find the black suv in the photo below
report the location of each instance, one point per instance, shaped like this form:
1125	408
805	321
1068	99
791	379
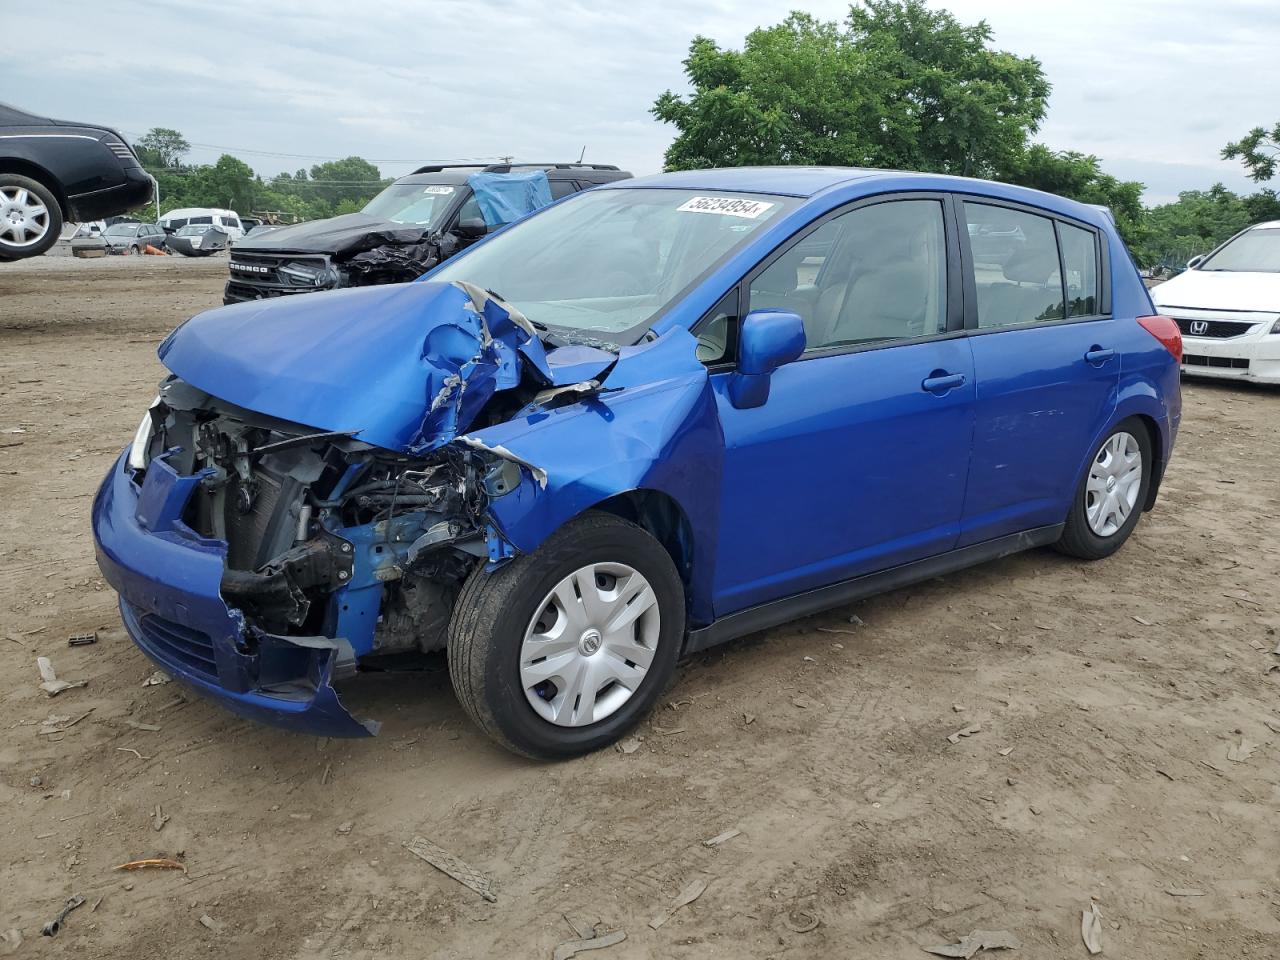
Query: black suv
403	232
52	171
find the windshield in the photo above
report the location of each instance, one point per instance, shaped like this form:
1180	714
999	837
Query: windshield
1254	251
612	261
420	203
122	230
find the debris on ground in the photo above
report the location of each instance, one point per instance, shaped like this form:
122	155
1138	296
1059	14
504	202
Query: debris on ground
206	921
800	921
156	679
629	745
975	941
49	681
1091	928
805	703
1144	621
53	926
82	639
1241	751
139	725
140	756
968	731
692	891
720	838
850	633
58	723
451	866
12	940
748	719
1185	892
159	819
572	948
152	863
1005	751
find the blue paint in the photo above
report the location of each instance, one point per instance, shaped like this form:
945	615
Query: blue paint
789	473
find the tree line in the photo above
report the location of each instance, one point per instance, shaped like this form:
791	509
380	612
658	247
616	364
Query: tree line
896	85
324	190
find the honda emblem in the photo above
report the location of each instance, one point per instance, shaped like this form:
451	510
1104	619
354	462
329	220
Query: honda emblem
1199	328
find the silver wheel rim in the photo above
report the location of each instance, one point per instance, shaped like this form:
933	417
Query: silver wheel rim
24	219
590	644
1115	476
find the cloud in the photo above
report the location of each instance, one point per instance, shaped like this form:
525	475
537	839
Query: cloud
1154	89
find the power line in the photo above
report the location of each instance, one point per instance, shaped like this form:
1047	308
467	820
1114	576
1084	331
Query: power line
133	134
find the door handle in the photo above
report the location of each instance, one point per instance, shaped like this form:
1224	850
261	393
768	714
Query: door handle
1098	356
939	382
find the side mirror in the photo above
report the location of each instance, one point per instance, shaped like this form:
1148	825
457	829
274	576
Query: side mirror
767	340
472	228
1195	261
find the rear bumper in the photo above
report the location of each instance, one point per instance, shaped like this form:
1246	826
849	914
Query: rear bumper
138	188
168	579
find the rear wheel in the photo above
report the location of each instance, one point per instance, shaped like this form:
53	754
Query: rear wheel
1110	498
561	651
134	251
30	218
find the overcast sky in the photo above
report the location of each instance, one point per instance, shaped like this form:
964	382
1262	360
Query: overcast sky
1153	87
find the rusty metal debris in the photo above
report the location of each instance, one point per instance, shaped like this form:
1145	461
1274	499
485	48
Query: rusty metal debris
157	863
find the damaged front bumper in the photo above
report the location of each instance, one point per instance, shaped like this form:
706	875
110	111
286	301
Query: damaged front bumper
169	578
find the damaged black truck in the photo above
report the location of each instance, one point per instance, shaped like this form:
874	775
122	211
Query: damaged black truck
411	226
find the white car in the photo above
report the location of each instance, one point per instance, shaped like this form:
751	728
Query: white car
1227	305
228	221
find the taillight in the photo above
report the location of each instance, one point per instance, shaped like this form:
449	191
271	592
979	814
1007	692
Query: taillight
1164	329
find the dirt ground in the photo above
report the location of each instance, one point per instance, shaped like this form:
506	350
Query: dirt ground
1107	694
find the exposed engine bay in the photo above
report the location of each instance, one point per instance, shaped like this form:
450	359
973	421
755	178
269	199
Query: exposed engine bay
297	510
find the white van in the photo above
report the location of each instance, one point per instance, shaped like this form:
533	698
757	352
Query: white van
228	221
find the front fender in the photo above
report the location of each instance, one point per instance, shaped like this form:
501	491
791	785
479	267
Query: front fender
662	435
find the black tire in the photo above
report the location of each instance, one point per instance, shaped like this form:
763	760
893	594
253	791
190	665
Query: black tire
134	251
53	222
494	610
1078	538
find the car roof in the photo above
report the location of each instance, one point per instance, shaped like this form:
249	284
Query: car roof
1269	225
459	175
810	182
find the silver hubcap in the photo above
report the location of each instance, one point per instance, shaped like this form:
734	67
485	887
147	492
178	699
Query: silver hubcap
590	644
24	220
1115	477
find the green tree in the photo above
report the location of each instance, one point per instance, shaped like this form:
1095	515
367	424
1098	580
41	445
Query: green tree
161	147
1080	177
353	178
896	85
1195	223
1259	150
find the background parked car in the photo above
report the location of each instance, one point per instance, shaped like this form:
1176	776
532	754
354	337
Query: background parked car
133	237
228	221
1227	305
415	223
198	240
53	171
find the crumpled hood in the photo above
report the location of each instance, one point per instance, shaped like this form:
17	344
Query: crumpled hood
349	233
1220	290
404	366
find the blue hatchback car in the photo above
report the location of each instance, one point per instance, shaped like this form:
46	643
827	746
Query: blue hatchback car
645	420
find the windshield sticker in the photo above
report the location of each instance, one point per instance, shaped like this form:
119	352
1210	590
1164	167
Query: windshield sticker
726	206
439	189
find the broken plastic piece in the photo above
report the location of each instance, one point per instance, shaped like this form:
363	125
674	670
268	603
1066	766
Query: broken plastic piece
451	866
574	947
1091	928
692	891
53	926
975	941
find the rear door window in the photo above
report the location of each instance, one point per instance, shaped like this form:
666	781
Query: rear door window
1017	273
1080	257
562	188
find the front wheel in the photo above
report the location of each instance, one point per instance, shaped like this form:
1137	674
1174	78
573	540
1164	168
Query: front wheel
561	651
1110	498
